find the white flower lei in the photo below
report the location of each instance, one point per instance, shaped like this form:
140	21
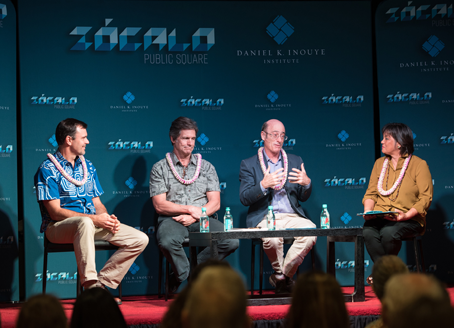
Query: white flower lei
66	175
177	176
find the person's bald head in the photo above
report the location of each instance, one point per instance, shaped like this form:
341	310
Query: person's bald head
217	299
273	136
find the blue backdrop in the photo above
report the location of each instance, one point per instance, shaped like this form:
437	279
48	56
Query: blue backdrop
9	284
129	68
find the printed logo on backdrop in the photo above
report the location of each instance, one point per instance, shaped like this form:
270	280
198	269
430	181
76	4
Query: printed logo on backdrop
418	145
448	101
345	101
202	103
448	225
273	102
6	150
4	107
433	60
345	142
129	104
3	13
278	32
148	231
349	265
440	14
51	142
129	190
287	145
162	47
133	276
410	98
6	241
130	146
447	140
205	146
56	102
223	186
61	278
345	183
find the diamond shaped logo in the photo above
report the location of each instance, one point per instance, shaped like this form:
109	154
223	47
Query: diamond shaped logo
223	185
131	183
280	30
346	218
433	46
414	135
343	135
134	268
3	12
53	141
203	139
129	97
272	96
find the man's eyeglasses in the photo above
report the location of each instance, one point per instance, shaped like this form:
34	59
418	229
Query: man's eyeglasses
276	136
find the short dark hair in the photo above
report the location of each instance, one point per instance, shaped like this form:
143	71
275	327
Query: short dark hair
66	128
402	134
384	268
182	123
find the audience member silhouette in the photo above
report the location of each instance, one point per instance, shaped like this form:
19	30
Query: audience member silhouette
384	268
96	308
172	318
42	311
317	302
217	299
403	290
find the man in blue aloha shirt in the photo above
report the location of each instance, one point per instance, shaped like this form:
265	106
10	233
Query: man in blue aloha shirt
68	191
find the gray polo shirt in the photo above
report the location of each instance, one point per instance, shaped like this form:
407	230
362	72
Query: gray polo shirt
163	181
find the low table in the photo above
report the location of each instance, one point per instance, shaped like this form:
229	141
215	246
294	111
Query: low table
210	239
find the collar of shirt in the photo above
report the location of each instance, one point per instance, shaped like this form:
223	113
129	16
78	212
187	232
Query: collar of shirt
176	160
400	162
269	160
63	161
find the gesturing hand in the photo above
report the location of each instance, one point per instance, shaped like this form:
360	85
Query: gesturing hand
299	176
185	219
272	179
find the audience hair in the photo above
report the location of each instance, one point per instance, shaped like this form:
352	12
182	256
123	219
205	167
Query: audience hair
317	302
172	318
42	311
384	268
404	289
96	308
217	299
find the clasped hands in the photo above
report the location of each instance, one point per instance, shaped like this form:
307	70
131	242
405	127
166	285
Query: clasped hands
188	219
108	222
296	176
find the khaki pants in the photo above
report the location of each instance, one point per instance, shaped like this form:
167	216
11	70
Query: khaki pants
81	232
274	247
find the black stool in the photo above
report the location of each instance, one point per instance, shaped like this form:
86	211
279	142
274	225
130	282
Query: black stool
258	241
417	243
166	281
100	245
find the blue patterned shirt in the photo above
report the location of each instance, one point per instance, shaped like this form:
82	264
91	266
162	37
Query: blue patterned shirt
50	184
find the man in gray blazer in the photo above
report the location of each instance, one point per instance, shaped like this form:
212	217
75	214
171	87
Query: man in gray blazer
275	178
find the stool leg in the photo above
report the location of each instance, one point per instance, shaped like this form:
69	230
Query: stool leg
78	285
313	257
120	291
160	273
44	275
261	268
252	267
423	266
167	280
416	255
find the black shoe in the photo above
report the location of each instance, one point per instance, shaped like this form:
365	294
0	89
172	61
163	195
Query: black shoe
289	282
278	281
174	283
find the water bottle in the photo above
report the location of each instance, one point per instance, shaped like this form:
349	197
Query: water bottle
228	220
270	219
324	217
204	221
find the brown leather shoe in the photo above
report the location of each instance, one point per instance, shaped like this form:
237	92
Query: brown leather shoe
279	282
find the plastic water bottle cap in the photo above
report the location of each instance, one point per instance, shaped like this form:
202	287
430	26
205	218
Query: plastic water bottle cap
227	208
204	209
325	206
270	207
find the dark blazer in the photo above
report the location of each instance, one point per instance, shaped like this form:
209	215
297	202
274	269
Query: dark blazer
251	193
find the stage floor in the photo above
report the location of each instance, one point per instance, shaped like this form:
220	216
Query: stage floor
149	310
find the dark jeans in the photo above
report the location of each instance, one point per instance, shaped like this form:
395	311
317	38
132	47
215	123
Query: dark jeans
383	237
171	235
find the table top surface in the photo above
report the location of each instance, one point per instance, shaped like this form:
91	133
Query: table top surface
259	233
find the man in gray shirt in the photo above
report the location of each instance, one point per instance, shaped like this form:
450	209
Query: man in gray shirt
180	185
